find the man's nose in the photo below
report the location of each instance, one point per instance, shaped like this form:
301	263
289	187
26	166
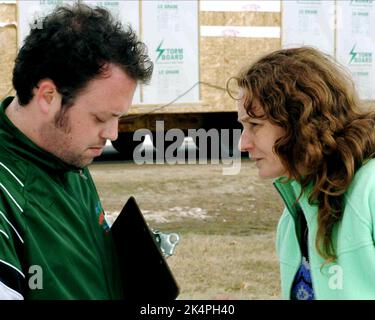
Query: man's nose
111	131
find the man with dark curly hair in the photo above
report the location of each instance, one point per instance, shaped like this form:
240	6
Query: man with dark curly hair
74	78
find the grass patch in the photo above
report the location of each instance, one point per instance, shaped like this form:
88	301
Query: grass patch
226	223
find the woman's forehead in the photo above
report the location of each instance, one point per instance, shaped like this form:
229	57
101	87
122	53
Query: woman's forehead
254	104
256	109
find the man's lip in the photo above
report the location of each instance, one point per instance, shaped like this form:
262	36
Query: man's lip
97	151
100	147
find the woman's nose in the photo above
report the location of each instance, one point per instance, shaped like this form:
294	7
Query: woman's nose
246	142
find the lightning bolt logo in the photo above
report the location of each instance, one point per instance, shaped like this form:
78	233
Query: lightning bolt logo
353	54
159	50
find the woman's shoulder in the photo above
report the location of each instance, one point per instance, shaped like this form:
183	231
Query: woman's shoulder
362	186
360	207
366	172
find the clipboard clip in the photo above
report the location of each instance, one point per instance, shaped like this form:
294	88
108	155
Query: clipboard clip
166	241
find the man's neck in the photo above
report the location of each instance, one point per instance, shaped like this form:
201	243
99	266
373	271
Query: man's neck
23	119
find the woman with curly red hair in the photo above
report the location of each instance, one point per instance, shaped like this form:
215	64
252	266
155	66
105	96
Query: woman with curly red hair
304	126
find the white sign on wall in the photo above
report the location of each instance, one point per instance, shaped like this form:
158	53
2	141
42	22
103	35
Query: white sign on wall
240	5
125	11
309	22
356	43
170	30
30	13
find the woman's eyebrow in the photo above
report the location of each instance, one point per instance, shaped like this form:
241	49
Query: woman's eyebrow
243	118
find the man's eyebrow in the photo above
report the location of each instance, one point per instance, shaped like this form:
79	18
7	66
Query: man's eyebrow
118	115
112	114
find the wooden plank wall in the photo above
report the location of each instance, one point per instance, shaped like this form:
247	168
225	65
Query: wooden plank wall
8	47
223	57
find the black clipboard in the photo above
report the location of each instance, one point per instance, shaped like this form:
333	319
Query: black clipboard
145	272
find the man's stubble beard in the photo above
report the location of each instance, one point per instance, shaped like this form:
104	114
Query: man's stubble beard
56	140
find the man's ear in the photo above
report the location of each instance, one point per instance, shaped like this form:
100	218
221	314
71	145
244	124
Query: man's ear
47	96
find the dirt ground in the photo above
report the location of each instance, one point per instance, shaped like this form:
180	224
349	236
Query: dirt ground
226	223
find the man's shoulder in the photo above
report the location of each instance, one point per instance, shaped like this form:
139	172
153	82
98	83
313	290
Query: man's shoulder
12	185
12	171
